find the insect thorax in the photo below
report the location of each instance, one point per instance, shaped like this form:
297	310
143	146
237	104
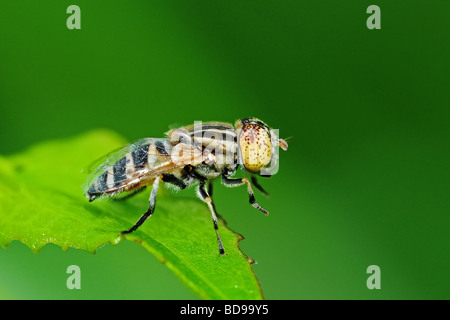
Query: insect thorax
219	146
214	143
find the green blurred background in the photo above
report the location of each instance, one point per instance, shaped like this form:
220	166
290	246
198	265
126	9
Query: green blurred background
366	177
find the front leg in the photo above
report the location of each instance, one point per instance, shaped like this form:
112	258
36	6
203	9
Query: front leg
232	182
259	187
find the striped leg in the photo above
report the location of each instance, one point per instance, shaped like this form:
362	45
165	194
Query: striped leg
203	194
150	210
239	181
170	178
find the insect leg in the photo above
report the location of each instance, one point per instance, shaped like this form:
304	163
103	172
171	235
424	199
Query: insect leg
239	181
170	178
151	207
258	186
207	198
128	196
210	188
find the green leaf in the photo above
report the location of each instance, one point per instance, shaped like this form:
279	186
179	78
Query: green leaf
41	202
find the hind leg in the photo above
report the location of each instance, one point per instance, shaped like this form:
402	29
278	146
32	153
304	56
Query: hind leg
151	207
131	194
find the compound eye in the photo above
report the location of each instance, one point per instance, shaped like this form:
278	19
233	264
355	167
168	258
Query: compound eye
255	146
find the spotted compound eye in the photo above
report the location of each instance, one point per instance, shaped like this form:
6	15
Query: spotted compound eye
255	146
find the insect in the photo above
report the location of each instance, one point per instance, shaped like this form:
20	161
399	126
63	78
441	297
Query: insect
195	154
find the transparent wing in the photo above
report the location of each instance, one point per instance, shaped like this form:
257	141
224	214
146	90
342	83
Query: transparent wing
126	163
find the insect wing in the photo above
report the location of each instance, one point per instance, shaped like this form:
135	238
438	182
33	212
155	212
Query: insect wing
120	167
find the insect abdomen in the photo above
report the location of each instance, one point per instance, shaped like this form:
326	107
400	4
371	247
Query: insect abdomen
126	173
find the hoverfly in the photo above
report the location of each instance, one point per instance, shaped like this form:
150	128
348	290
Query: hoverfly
191	154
